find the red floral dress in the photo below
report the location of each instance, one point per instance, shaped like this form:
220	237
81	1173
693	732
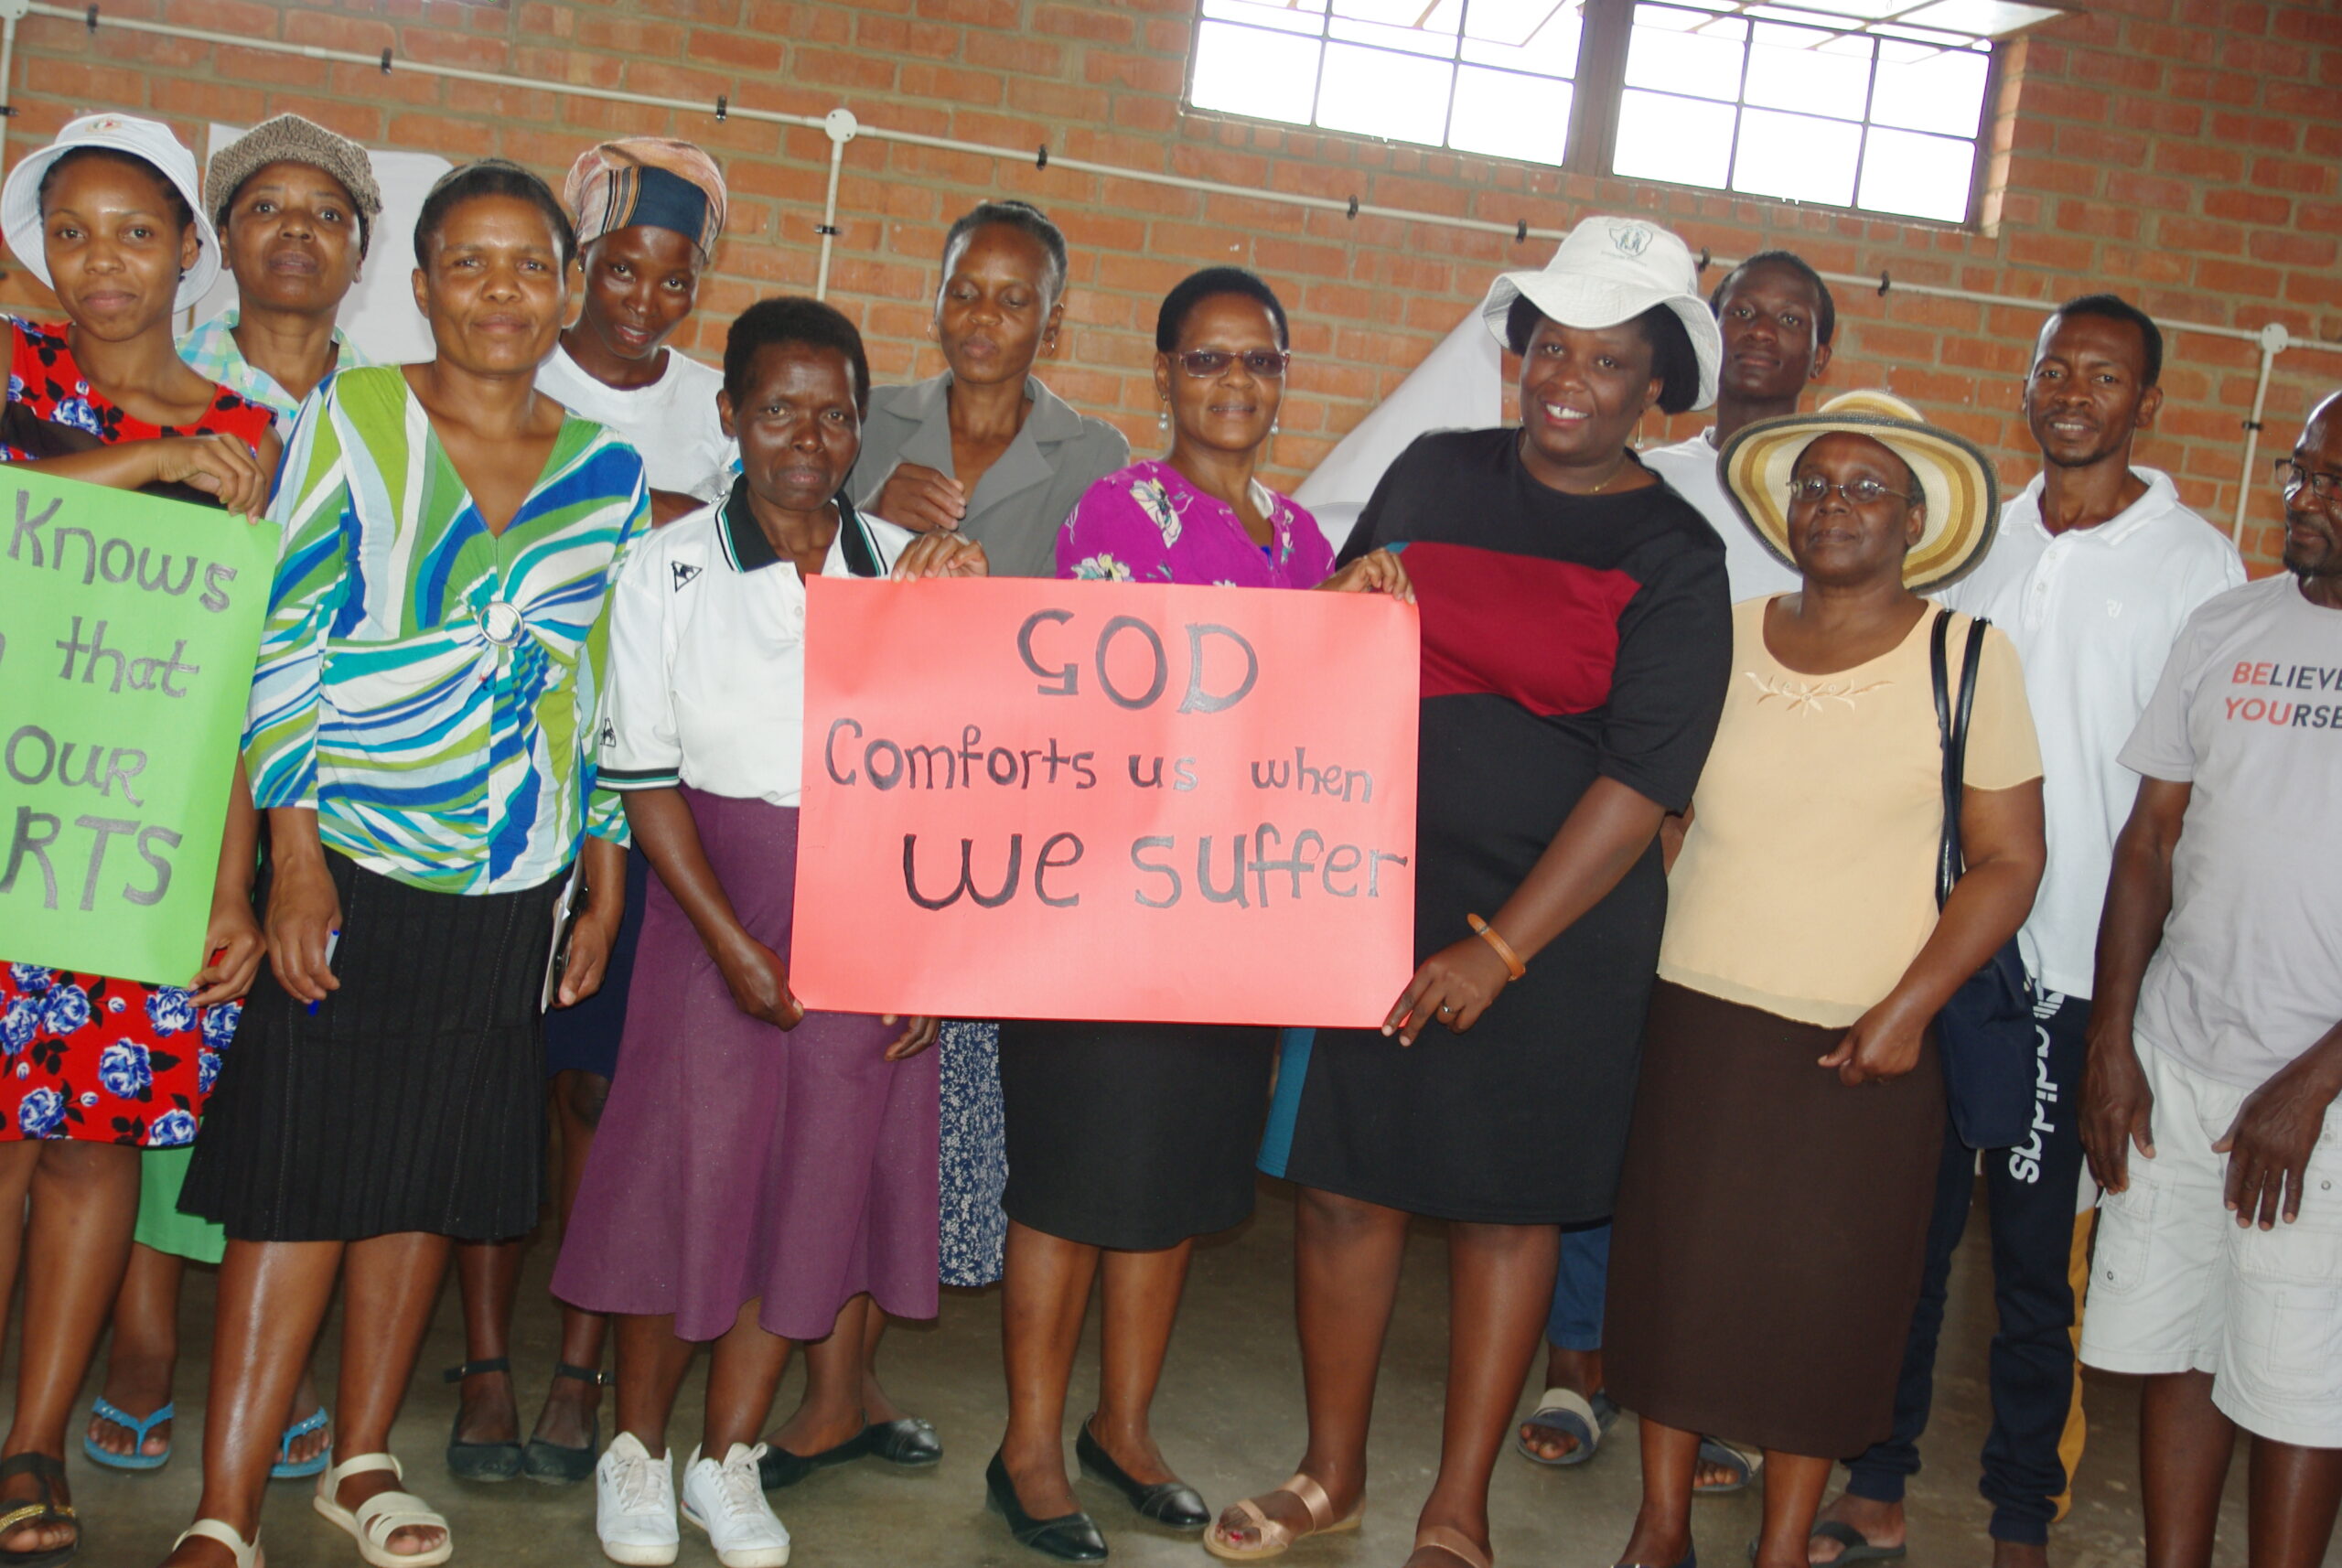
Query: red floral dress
83	1055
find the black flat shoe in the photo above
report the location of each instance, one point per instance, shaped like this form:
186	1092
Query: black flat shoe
1171	1503
556	1463
908	1441
1068	1538
480	1461
780	1468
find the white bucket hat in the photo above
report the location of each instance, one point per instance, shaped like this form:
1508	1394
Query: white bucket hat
148	139
1611	270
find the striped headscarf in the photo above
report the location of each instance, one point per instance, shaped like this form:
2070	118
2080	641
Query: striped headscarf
649	181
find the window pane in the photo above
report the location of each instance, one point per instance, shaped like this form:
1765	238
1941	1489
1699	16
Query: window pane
1247	71
1930	89
1526	35
1863	9
1665	54
1408	25
1796	156
1677	139
1982	18
1818	73
1304	16
1927	177
1508	115
1384	94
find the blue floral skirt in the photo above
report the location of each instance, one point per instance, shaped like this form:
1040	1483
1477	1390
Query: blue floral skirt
976	1155
103	1060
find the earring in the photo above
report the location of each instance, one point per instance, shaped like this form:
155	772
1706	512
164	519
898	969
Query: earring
1162	419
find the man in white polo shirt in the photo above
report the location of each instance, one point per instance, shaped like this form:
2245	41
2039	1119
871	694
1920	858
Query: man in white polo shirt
2097	566
2216	1055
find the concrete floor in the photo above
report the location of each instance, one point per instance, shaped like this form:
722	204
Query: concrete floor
1229	1416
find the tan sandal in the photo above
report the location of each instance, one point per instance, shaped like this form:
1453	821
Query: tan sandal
247	1554
1277	1538
374	1522
1454	1543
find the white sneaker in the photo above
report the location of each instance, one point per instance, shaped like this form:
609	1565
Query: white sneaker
634	1504
727	1500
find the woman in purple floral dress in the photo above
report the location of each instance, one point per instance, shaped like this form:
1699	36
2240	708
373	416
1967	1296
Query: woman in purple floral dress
1128	1140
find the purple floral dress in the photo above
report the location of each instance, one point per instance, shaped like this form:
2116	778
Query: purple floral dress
1147	524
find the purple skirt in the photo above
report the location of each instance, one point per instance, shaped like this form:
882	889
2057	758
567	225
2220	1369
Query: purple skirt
738	1162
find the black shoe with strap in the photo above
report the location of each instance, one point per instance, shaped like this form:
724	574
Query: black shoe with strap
1068	1538
480	1461
1173	1503
47	1472
555	1464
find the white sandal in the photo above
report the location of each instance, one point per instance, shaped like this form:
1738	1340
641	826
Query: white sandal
382	1516
247	1554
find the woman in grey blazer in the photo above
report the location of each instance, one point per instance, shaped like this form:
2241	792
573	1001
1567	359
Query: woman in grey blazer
985	450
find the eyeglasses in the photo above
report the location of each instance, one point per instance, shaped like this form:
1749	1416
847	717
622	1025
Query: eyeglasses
2291	476
1858	492
1208	364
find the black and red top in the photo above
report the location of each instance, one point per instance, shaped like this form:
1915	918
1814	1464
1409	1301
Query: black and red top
1565	639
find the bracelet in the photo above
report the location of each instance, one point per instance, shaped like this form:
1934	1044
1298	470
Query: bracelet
1514	968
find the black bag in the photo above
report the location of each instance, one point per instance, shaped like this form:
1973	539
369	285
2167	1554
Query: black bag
1985	1033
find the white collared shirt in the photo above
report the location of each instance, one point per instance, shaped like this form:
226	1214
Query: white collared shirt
2093	613
1690	469
707	655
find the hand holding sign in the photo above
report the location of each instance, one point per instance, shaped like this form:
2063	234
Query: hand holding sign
1027	799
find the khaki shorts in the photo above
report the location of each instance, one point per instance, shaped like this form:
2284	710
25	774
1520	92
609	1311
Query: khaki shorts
2177	1285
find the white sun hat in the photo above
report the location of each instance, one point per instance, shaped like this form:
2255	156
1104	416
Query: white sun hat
1611	270
150	140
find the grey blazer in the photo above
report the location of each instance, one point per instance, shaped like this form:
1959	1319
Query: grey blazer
1024	497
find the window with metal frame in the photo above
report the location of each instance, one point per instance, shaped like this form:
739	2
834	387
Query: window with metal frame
1875	105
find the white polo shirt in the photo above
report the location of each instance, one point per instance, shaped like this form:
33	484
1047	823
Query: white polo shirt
2093	613
707	653
1690	469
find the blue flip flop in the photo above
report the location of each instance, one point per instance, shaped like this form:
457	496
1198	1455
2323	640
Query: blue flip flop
106	1409
1574	1415
288	1468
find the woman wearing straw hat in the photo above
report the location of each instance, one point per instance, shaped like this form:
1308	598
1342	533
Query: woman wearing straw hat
1773	1210
1574	637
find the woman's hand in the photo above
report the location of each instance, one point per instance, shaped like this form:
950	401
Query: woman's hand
232	937
759	982
1377	572
1882	1044
592	939
303	910
940	555
917	1036
923	499
218	466
1454	986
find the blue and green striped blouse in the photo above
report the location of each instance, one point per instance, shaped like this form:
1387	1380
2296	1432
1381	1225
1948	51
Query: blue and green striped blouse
428	687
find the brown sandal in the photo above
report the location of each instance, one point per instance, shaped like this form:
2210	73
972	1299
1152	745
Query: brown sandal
47	1472
1277	1538
1454	1543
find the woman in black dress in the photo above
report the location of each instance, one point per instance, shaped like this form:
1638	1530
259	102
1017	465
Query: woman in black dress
1576	639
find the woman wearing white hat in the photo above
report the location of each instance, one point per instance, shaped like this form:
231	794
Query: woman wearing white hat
1773	1211
1576	631
99	1068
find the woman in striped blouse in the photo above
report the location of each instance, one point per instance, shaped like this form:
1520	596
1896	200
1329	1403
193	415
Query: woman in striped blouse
421	740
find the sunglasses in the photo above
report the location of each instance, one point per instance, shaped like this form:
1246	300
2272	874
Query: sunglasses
1261	364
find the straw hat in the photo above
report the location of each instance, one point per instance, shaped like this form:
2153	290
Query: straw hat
1610	271
149	140
1962	496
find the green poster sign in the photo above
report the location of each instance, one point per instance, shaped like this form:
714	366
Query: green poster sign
128	630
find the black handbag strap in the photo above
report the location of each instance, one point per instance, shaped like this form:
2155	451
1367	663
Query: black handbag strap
1951	729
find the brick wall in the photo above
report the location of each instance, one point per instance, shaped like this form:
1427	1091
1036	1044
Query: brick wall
2182	152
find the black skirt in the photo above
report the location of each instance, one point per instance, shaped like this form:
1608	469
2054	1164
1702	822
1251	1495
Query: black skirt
1133	1136
413	1099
